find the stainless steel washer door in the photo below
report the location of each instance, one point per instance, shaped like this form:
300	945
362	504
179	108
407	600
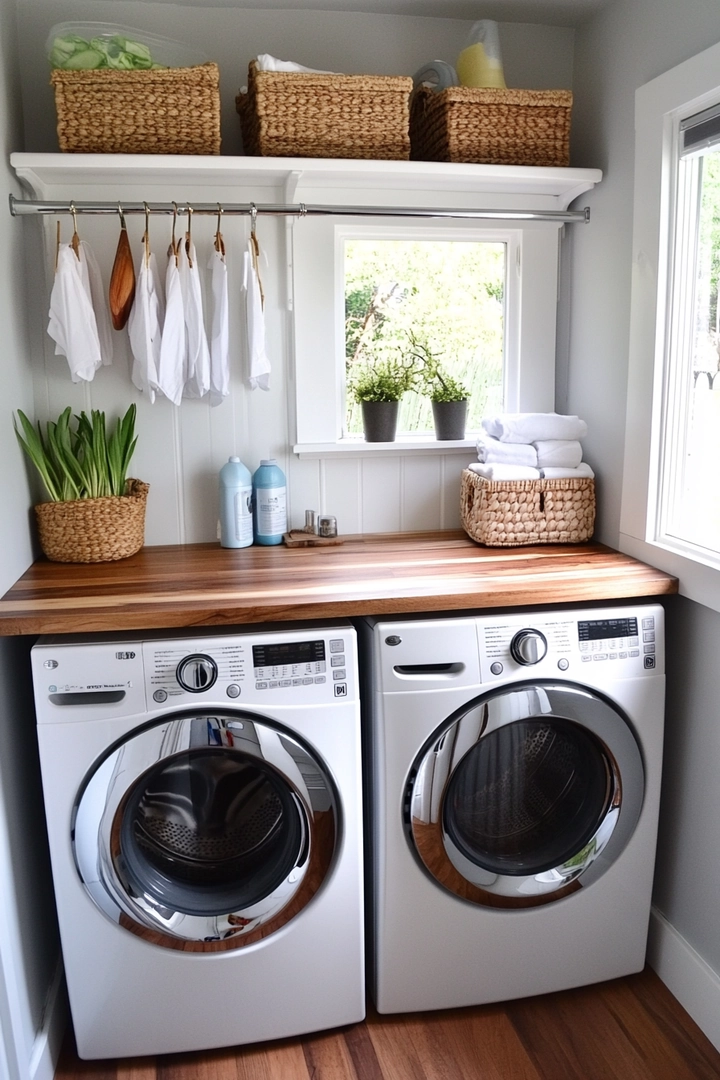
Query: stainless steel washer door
525	795
206	831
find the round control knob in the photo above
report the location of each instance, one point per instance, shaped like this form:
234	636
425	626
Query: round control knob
528	647
196	673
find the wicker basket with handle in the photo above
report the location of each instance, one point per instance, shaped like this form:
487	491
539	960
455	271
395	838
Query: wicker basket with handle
160	111
94	530
509	513
489	126
302	114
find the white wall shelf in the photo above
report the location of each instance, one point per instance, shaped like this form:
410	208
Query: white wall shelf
81	176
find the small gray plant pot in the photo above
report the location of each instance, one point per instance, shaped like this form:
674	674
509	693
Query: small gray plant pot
449	418
380	420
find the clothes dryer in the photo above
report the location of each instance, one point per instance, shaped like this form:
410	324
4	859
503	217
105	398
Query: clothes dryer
513	801
203	799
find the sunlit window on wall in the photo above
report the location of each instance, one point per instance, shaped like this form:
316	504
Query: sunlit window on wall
420	299
689	498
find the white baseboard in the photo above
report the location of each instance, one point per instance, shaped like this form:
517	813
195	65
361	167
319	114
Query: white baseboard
48	1041
687	976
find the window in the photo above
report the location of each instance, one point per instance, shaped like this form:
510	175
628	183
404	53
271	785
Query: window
671	486
497	330
442	298
689	491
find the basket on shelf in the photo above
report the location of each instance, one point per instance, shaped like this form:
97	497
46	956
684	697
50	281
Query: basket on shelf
94	530
509	513
159	111
299	114
489	126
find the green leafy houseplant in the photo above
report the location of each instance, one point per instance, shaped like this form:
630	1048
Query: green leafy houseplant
435	382
378	388
449	397
84	462
385	380
95	512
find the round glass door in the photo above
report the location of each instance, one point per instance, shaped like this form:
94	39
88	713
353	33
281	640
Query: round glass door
211	829
513	800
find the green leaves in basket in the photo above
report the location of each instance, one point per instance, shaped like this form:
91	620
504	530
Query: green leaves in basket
115	51
84	463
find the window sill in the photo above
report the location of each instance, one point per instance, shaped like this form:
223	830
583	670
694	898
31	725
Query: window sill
698	580
405	445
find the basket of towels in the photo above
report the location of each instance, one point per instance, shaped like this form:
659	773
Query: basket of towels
529	484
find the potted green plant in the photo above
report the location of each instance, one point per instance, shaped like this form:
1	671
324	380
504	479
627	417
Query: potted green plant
378	388
448	396
94	512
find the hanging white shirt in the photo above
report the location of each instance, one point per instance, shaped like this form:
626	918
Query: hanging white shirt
258	363
72	323
219	334
197	382
99	299
172	365
145	326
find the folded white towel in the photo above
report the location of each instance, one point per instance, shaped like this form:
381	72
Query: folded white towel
532	427
505	472
583	471
266	62
558	453
493	452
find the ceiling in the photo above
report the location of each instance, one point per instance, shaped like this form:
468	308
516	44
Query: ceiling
549	12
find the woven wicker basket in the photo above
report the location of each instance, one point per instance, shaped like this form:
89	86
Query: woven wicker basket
166	111
508	513
94	530
498	127
294	114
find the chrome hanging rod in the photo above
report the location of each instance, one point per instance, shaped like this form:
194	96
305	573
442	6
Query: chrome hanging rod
19	207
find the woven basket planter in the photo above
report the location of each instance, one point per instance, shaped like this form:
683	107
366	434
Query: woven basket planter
487	126
294	114
166	111
509	513
94	530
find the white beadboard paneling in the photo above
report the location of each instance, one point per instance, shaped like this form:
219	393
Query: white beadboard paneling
452	469
342	493
421	501
303	479
381	495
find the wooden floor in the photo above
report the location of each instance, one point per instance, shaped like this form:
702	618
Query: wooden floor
628	1029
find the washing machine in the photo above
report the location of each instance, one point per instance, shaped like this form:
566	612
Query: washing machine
513	801
203	800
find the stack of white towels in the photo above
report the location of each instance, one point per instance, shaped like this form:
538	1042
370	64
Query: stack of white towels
531	446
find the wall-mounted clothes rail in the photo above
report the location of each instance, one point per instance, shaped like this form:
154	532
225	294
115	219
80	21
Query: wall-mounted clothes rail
20	207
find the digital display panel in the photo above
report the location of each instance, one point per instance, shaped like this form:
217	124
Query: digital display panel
286	653
601	629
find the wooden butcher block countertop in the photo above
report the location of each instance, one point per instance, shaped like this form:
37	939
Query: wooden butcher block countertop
206	585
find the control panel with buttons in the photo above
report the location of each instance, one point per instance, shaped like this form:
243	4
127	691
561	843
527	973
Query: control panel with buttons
247	669
622	642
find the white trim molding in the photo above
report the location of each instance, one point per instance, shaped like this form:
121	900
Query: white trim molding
687	976
659	105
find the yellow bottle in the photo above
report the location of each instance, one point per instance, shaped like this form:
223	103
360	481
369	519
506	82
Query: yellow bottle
480	63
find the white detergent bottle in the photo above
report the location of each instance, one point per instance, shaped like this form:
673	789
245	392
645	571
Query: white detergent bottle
270	502
236	523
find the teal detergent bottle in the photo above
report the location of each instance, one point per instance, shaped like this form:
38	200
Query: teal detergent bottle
236	523
269	502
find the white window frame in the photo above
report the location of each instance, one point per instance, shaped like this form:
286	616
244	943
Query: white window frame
660	105
319	333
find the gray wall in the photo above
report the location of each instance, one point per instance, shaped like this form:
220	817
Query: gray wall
624	47
28	940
